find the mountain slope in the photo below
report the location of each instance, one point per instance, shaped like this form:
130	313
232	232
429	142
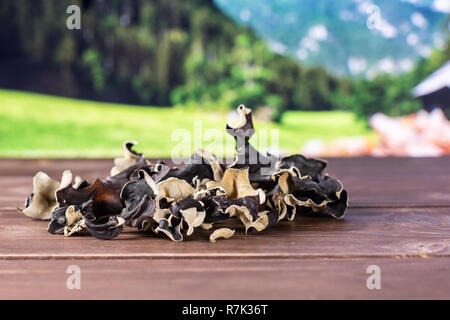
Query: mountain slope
345	36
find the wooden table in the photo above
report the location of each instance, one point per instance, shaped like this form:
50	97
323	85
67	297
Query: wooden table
398	219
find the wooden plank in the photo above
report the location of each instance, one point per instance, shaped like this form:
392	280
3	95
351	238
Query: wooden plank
400	209
394	181
363	232
370	181
17	175
227	279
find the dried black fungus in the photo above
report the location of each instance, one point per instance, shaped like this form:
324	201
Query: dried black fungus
306	167
42	201
58	220
202	165
106	228
140	204
246	155
259	190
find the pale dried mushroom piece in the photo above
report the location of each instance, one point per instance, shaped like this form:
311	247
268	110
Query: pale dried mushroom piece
191	213
200	185
80	183
225	233
241	200
286	182
236	184
130	157
66	180
276	203
244	126
43	200
258	223
162	210
185	214
206	226
174	189
74	221
193	218
173	232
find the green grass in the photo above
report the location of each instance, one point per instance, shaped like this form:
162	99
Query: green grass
35	125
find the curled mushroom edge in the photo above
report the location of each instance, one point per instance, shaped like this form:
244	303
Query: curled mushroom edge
154	197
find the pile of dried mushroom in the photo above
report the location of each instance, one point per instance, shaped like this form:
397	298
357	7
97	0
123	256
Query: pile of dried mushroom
259	190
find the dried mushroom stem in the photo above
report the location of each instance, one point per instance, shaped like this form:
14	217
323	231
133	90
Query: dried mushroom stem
130	157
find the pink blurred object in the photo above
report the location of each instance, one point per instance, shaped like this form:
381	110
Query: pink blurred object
422	134
435	128
342	147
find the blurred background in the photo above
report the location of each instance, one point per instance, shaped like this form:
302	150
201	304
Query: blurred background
336	78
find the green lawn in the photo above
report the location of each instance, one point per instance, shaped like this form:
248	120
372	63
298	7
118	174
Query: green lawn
35	125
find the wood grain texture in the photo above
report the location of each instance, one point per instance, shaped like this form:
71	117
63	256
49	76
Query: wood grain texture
227	278
370	181
363	232
399	219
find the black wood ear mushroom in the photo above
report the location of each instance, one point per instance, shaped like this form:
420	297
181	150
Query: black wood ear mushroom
259	190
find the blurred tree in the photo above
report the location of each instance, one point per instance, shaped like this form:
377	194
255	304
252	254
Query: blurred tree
385	93
152	52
